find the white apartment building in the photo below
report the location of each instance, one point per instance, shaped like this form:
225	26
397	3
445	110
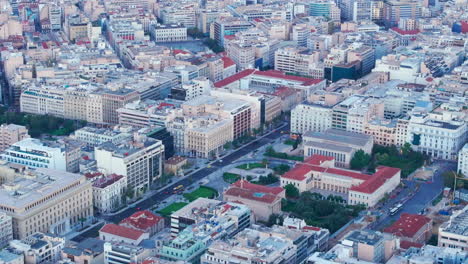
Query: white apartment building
40	248
45	200
108	192
94	136
295	60
311	117
33	153
179	13
120	253
139	161
440	135
463	160
169	33
10	134
6	229
196	87
454	233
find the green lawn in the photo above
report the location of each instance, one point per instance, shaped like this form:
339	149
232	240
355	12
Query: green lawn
251	166
168	210
289	142
202	191
231	177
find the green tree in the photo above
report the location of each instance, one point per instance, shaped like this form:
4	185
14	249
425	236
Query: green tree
274	219
195	33
406	149
449	180
291	191
360	160
213	45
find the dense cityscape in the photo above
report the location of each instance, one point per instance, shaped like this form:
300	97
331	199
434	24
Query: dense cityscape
233	131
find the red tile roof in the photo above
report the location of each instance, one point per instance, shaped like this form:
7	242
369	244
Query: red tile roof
228	62
313	164
251	195
382	174
282	75
408	225
318	159
142	220
407	244
234	78
405	32
121	231
243	184
370	182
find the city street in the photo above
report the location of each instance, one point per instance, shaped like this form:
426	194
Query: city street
414	198
166	192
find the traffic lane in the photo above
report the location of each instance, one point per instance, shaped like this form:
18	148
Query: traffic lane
415	202
198	175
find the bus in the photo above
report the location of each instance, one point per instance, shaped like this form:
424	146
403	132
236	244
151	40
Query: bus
396	209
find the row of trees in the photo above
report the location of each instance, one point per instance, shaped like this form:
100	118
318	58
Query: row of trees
40	124
405	158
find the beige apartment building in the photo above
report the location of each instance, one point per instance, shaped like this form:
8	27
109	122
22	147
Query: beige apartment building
10	134
113	100
384	132
45	200
205	137
93	105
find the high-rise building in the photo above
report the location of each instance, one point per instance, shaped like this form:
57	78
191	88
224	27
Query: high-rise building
395	10
228	26
140	161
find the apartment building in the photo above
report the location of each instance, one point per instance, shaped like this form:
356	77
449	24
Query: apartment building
179	13
46	200
319	172
113	100
307	117
94	136
463	160
6	229
341	145
253	246
87	251
121	253
108	191
10	134
295	60
140	161
200	136
169	33
439	135
454	233
393	11
40	248
227	26
431	254
243	54
234	217
146	113
35	153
